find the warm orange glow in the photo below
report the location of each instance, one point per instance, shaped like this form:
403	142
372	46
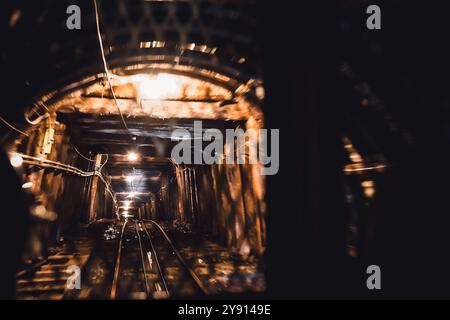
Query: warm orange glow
355	157
369	192
369	188
367	184
163	86
165	95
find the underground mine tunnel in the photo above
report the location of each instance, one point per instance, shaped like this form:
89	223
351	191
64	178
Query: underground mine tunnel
112	215
83	166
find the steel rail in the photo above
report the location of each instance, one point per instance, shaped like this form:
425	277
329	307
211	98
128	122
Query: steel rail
117	265
158	265
147	288
193	275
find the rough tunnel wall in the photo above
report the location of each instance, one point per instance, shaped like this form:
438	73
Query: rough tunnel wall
60	194
102	205
166	210
225	201
240	211
150	207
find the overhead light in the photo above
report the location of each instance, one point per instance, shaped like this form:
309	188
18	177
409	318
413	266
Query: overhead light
132	178
163	86
27	185
132	156
16	160
127	203
126	214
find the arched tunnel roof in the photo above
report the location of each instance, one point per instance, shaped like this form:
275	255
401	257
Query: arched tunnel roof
178	36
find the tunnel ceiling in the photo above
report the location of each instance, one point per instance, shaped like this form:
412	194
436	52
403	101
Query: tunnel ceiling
210	36
106	133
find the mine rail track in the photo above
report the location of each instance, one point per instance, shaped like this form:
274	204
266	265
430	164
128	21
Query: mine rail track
152	259
117	265
181	260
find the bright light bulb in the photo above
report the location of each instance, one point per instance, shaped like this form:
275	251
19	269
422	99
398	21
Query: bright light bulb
131	195
16	160
133	156
158	88
132	178
27	185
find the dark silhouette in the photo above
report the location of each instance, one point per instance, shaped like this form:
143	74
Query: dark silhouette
14	215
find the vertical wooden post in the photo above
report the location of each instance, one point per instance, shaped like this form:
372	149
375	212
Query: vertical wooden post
94	186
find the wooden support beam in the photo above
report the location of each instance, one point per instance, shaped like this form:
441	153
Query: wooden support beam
94	186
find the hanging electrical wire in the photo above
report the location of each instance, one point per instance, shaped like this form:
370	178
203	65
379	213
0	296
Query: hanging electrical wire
106	70
80	154
12	127
101	167
45	163
91	160
40	116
